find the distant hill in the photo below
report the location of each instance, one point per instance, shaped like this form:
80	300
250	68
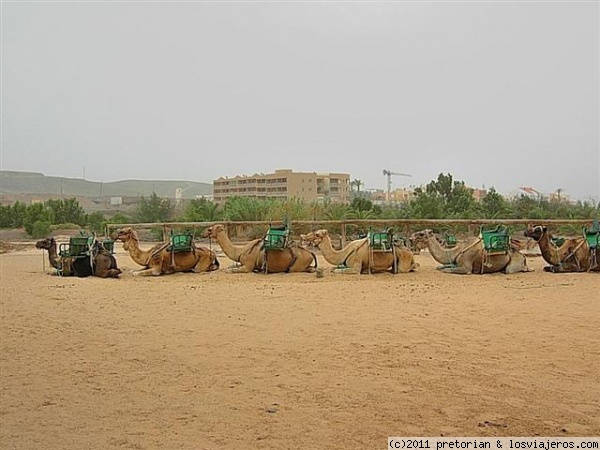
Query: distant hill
38	183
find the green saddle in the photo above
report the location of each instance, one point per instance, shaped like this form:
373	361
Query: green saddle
496	240
381	240
182	242
592	236
450	240
277	238
109	245
78	246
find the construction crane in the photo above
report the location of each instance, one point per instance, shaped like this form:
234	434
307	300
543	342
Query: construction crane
389	174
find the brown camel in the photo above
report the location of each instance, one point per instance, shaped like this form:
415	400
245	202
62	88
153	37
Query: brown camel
252	257
358	257
442	254
574	255
102	263
474	258
160	260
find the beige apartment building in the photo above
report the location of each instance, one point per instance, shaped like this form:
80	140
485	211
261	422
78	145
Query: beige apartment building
285	184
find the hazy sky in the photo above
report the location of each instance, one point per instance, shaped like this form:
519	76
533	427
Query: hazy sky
498	94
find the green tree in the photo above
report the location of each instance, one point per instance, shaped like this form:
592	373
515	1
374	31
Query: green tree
445	198
361	204
66	211
336	211
40	229
12	216
120	218
36	213
154	209
95	221
494	205
202	210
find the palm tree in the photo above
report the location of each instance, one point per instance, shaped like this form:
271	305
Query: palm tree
357	183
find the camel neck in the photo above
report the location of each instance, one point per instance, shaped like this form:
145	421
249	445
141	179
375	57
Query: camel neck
227	246
332	255
140	256
53	256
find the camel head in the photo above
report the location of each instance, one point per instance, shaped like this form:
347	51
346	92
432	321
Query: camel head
46	244
213	231
535	232
420	238
314	237
422	235
124	234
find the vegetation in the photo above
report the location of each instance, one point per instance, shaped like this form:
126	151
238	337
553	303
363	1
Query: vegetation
443	198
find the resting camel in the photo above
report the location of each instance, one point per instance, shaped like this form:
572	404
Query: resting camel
102	265
357	257
572	256
253	258
474	258
159	260
444	255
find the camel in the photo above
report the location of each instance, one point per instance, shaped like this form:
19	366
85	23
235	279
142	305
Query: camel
474	258
573	255
471	257
103	264
159	260
444	255
252	257
357	257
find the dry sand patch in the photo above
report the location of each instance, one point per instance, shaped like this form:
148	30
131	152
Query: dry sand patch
224	360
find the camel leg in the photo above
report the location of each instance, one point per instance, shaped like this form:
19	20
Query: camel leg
153	271
405	266
461	270
354	267
300	266
110	273
346	270
239	269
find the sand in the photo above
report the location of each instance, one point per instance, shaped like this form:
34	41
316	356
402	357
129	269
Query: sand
223	361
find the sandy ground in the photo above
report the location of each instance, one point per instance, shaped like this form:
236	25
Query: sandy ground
223	361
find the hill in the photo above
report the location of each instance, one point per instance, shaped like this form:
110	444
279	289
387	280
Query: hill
37	183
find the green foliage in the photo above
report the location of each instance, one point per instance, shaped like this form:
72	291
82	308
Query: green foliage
66	211
361	204
154	209
247	209
40	229
445	198
12	216
36	213
202	210
336	211
121	218
95	222
494	206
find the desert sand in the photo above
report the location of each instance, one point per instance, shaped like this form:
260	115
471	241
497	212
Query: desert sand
254	361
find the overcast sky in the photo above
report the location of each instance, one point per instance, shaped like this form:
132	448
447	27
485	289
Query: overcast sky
499	94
